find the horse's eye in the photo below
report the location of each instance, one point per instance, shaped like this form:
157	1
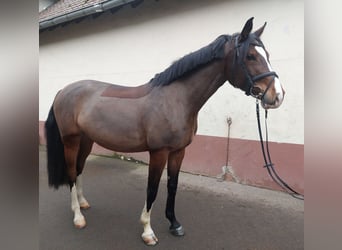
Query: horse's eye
250	57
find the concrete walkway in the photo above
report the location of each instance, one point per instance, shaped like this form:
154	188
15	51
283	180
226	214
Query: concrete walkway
215	215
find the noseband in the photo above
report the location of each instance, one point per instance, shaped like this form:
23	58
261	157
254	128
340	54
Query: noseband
251	80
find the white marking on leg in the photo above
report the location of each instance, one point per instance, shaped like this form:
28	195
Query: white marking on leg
148	235
79	220
277	84
82	201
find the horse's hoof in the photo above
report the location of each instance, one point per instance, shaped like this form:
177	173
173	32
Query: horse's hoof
150	239
178	231
80	223
84	205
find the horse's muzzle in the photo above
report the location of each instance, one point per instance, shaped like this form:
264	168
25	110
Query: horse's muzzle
278	100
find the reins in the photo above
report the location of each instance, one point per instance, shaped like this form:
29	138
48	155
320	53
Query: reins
268	162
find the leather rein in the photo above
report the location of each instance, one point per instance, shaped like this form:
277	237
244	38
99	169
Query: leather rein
267	158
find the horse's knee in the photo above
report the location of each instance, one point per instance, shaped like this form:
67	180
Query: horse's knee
172	188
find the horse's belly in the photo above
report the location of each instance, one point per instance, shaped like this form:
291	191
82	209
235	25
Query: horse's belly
115	125
120	142
118	136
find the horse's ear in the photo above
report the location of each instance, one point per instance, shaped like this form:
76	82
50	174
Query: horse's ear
260	30
246	30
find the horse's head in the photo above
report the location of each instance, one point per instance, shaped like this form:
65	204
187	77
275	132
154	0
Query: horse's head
250	69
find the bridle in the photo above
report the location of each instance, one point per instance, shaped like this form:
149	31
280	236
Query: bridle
250	80
249	84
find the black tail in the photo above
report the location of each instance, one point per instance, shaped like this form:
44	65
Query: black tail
57	170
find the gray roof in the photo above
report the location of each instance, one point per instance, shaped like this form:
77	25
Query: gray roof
65	11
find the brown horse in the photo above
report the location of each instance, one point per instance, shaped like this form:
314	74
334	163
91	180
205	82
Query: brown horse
159	117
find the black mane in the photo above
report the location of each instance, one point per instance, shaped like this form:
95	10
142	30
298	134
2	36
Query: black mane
192	61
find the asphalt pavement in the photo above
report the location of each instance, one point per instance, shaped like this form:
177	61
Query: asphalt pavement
215	215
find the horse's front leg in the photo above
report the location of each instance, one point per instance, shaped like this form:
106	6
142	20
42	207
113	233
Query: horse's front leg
156	167
173	167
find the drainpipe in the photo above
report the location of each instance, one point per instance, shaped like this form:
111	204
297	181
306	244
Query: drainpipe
100	7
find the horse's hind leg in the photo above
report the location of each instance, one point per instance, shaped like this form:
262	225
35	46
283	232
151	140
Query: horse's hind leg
71	148
84	150
156	167
173	167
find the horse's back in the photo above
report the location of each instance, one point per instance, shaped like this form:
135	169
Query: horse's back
83	88
118	91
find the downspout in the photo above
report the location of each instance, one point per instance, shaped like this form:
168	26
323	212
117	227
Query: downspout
96	8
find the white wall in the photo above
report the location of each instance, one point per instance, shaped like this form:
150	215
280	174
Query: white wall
132	45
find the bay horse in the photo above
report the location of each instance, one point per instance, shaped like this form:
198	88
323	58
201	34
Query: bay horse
159	117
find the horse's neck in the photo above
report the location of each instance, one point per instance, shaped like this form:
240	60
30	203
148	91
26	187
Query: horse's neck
203	84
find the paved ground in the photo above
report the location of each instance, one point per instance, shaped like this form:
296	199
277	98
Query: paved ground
215	215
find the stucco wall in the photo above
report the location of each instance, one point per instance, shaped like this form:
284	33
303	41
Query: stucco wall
134	44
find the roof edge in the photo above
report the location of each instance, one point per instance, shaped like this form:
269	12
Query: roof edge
94	9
